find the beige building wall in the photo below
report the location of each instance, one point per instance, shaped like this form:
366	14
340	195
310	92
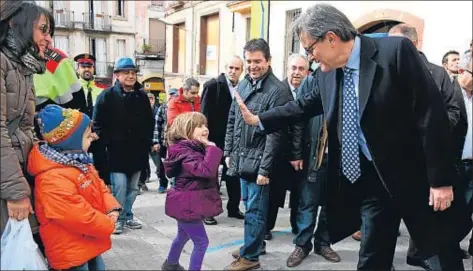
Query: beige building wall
230	43
447	24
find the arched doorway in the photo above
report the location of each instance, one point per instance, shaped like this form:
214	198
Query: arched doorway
380	21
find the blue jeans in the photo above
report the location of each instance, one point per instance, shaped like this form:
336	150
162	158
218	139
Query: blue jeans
244	192
310	193
255	218
96	263
125	190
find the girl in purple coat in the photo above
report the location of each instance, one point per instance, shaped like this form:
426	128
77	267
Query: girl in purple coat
193	161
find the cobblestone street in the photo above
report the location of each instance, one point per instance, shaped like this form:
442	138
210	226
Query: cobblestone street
146	249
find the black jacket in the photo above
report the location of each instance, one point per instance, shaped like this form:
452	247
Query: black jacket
215	104
125	124
445	86
251	151
407	130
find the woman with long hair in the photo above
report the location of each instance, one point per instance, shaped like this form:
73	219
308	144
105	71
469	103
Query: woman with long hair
25	33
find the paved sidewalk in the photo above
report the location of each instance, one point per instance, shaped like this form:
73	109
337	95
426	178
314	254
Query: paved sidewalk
146	249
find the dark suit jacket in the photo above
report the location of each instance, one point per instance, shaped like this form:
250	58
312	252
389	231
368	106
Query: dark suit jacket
407	131
215	105
445	86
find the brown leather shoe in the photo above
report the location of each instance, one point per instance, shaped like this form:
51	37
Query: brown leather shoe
357	236
236	253
328	253
242	264
296	258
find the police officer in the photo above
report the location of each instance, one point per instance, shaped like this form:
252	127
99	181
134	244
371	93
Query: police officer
91	89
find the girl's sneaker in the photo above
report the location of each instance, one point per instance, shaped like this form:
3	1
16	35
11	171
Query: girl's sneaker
167	266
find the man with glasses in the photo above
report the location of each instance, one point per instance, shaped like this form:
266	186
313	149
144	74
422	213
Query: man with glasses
387	127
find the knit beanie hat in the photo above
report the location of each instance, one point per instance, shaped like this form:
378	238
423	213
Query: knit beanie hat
63	128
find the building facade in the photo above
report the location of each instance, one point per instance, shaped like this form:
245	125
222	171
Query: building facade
439	29
150	43
105	29
202	35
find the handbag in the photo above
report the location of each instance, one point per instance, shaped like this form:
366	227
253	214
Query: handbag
19	250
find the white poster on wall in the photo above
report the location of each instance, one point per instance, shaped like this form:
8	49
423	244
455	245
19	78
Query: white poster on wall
211	52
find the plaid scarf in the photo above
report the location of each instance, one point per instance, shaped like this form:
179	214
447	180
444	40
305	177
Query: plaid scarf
78	160
30	58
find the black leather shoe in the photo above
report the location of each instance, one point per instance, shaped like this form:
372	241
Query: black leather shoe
237	215
268	236
210	221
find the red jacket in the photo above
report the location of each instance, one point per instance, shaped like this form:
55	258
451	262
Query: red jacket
178	105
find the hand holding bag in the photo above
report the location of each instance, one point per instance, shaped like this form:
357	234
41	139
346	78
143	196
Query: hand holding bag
19	250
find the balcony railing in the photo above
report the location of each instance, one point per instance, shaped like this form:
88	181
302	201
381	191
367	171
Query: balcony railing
104	69
154	46
98	22
63	18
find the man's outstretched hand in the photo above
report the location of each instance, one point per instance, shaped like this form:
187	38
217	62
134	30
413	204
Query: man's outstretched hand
248	117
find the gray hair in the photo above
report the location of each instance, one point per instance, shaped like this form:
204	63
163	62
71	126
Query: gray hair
296	55
465	62
190	82
317	20
406	30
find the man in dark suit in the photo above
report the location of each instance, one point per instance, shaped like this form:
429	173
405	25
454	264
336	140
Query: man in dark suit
463	134
388	141
216	100
297	66
452	105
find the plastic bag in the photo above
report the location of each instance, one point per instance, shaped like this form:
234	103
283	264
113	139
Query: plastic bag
19	250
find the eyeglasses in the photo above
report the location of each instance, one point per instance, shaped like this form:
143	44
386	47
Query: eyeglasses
309	50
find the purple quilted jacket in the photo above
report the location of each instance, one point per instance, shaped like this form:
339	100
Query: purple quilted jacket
195	192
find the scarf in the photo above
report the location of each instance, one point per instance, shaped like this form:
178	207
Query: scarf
30	59
79	160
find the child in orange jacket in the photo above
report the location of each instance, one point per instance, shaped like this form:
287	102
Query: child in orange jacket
75	209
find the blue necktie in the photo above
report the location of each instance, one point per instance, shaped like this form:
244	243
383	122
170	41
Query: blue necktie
350	151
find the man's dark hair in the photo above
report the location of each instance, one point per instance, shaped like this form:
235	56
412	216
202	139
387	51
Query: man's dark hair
445	56
256	45
22	21
190	82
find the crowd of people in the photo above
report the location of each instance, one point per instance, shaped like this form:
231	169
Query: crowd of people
365	128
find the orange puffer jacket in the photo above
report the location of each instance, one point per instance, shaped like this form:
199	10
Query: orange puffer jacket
71	207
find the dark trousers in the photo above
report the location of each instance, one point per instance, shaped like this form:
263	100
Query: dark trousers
233	190
380	220
163	180
274	209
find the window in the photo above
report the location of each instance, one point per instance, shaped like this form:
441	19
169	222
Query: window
98	48
157	3
248	29
62	43
121	48
292	40
121	8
